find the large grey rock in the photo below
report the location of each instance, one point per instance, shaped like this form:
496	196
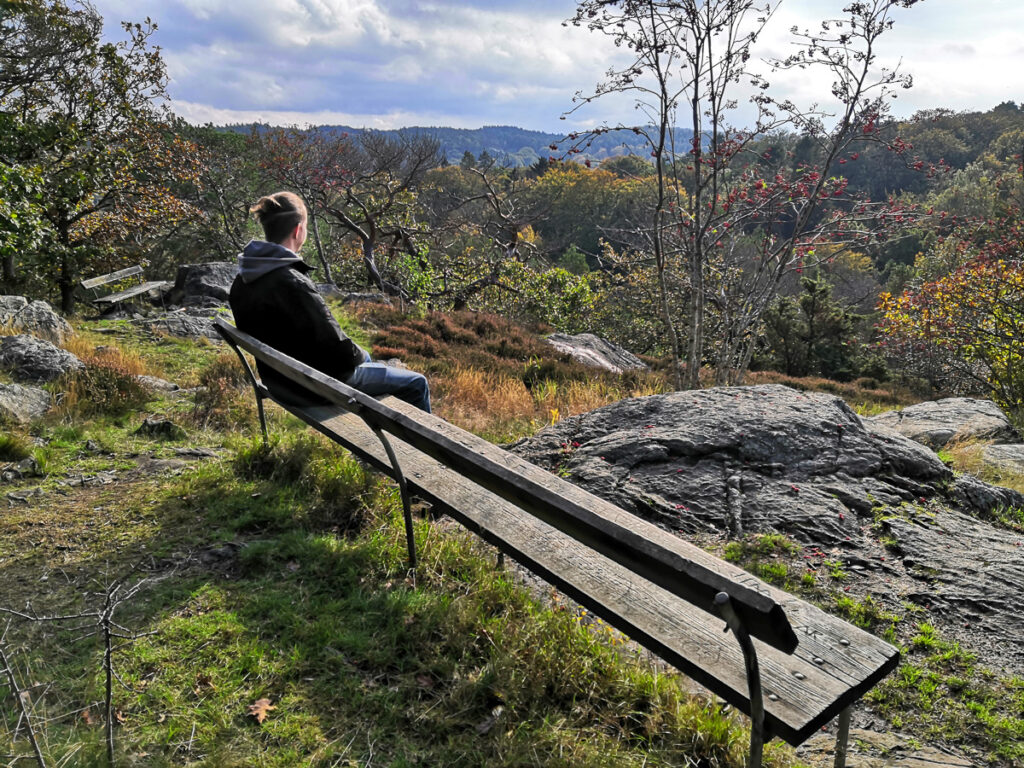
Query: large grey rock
22	404
1004	458
203	285
739	459
593	351
35	360
36	318
936	423
189	323
719	462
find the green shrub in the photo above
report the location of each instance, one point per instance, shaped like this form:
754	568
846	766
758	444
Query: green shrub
103	386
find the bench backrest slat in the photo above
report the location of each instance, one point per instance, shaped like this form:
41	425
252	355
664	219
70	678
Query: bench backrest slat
112	277
633	543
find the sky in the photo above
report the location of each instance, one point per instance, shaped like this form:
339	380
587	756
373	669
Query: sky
399	63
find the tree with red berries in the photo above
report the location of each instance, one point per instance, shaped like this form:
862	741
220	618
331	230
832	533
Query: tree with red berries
729	224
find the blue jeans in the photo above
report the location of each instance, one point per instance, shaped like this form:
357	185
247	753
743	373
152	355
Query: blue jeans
376	379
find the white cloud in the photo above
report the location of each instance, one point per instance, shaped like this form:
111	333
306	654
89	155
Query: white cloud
200	114
512	61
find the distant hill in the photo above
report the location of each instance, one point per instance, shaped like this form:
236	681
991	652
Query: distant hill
509	145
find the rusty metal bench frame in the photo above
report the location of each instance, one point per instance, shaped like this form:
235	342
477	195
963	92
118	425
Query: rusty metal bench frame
637	577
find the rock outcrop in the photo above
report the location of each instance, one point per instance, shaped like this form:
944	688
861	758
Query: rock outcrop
36	318
35	360
936	423
189	322
348	297
595	352
21	405
1005	458
765	459
203	285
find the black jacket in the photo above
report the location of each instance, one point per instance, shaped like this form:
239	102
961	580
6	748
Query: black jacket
273	300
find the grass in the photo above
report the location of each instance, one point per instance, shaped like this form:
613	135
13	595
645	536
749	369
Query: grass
968	456
312	609
318	615
942	694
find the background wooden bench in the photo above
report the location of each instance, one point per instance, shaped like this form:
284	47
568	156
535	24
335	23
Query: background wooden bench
795	667
106	302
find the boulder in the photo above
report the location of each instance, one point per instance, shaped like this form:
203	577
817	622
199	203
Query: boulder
203	285
35	360
1004	458
156	384
22	404
593	351
362	298
189	323
720	462
36	318
938	422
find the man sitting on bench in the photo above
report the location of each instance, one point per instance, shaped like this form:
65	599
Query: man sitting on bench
273	300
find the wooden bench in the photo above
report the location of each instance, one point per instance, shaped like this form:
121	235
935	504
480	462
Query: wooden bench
794	667
105	303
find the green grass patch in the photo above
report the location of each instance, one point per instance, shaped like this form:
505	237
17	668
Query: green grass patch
942	694
317	613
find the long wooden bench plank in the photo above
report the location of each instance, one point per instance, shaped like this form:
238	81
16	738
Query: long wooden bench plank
802	694
128	293
112	277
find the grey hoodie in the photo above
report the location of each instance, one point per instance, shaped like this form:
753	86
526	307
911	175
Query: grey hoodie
260	257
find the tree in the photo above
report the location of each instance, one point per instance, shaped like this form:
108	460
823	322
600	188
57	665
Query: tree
964	331
481	223
83	121
811	334
733	229
312	162
373	198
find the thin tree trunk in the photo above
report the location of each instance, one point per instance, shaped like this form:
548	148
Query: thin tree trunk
320	249
372	273
9	271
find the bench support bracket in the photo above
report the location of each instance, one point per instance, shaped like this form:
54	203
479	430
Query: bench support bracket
255	387
733	622
403	487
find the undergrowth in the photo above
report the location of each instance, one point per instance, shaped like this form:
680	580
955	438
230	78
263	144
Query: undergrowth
942	694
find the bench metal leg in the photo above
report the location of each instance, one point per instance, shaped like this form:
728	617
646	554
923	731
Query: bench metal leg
255	388
403	487
724	606
263	418
843	737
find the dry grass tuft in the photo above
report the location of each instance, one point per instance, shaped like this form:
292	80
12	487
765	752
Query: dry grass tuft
130	363
968	456
473	398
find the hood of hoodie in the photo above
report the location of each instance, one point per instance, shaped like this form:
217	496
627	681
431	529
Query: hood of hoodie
259	257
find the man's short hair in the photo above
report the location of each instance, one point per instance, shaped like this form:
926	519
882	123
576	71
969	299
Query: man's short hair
279	214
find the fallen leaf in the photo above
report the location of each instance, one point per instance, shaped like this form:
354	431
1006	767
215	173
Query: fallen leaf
87	717
162	717
424	681
260	709
120	717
